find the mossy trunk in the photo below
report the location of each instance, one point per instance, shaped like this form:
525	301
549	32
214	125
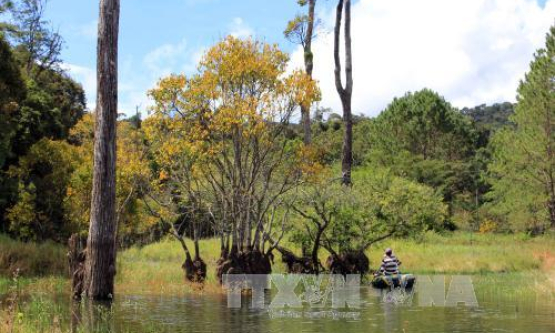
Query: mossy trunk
246	262
353	262
300	265
195	270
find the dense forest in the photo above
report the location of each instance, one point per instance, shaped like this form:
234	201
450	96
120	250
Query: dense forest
222	154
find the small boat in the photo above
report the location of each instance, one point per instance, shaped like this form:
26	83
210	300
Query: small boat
394	281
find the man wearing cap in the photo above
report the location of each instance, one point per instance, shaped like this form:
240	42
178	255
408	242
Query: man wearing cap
390	263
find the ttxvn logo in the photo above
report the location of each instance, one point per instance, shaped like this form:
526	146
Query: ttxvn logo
284	294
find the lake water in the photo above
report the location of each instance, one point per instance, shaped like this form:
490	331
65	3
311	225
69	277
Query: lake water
500	309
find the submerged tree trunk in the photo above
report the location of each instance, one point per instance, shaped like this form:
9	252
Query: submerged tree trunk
100	267
352	262
76	256
195	269
295	264
307	263
345	93
254	258
248	258
245	262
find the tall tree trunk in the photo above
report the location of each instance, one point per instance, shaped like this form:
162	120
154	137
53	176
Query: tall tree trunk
551	207
551	195
100	267
548	128
345	93
309	66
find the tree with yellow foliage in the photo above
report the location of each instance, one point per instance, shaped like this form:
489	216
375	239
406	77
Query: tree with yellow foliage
55	184
230	122
132	171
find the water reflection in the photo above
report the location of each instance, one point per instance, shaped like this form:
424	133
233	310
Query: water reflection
497	312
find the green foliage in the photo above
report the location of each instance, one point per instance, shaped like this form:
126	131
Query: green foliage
37	44
425	125
382	205
12	92
378	206
36	102
423	138
43	175
132	172
53	105
488	119
328	137
55	180
523	168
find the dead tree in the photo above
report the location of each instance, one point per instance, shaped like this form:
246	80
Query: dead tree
301	31
345	92
100	266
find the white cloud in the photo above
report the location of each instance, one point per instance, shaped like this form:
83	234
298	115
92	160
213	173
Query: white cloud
164	59
238	28
137	78
470	51
87	77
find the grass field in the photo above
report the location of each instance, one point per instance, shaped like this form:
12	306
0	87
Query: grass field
156	268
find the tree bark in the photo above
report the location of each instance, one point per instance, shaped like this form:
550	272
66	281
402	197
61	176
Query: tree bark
309	66
551	206
76	256
550	189
345	93
100	267
315	248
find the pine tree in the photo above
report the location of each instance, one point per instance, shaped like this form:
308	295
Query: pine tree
524	159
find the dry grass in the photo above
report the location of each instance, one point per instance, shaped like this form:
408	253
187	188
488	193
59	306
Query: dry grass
32	259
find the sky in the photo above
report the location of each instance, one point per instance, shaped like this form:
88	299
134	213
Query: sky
470	51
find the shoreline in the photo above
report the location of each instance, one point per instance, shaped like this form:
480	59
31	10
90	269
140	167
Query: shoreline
156	268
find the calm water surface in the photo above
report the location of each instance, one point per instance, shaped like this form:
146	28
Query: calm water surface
498	311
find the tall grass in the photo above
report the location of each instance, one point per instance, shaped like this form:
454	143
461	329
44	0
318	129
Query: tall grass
32	259
156	268
468	253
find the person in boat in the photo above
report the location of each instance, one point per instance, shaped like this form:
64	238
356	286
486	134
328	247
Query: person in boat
390	263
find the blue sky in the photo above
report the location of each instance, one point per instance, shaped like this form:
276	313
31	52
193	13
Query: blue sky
472	51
